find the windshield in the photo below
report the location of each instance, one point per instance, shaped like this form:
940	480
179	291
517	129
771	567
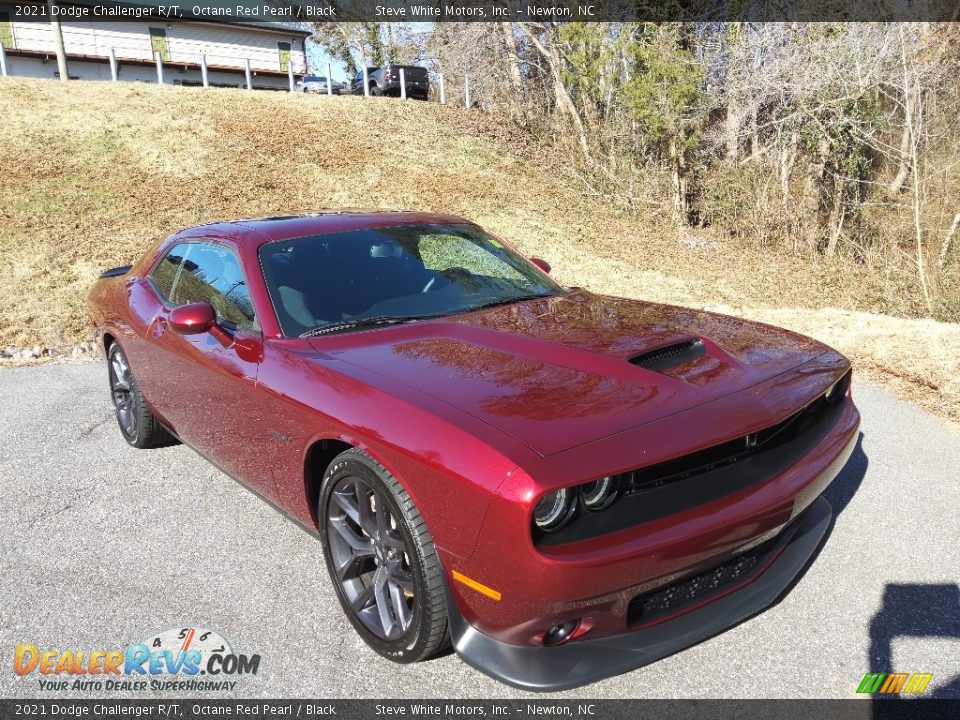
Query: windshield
342	281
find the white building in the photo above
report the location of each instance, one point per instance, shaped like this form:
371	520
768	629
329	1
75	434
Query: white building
228	47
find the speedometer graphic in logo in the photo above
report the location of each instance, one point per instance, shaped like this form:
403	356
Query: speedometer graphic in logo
190	639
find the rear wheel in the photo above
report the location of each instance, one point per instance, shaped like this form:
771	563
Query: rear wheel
381	559
137	424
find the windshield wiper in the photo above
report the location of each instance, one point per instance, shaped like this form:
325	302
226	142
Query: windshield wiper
506	301
362	322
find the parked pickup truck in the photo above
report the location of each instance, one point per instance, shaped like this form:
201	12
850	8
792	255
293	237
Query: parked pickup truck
386	81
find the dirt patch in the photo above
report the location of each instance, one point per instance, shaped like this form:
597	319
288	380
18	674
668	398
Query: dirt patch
93	173
918	359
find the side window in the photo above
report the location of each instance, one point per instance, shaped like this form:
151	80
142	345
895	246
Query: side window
164	275
212	274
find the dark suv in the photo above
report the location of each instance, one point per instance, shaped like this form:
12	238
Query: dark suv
386	81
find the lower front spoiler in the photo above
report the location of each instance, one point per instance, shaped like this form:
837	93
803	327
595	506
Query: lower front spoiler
581	662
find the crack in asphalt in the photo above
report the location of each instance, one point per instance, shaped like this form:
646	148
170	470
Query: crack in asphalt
95	426
47	515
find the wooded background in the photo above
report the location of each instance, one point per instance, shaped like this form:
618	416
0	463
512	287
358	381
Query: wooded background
832	141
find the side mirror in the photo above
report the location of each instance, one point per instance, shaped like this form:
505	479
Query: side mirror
193	319
542	264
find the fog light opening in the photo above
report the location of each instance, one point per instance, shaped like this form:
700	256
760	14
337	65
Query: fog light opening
559	634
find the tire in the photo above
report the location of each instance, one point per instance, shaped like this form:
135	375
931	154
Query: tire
375	91
137	424
382	560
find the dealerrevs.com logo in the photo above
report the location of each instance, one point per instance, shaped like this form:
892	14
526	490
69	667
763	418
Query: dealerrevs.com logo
185	659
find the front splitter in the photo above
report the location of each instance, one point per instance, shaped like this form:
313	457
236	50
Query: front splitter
543	669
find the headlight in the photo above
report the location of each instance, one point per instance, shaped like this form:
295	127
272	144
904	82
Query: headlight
554	510
598	494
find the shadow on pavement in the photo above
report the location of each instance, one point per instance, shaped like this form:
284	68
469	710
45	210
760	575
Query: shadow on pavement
918	611
840	492
845	486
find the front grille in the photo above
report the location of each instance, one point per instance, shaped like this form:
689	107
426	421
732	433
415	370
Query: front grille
649	607
670	487
727	453
670	355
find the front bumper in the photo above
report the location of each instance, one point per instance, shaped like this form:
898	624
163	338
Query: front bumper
576	663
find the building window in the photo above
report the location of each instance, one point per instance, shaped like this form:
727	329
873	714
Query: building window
284	48
158	44
6	31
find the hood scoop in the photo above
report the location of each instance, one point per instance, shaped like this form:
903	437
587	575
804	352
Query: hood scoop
670	355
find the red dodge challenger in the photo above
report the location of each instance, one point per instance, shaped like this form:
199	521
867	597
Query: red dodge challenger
563	486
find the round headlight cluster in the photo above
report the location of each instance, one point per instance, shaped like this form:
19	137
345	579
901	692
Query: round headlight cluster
557	508
598	494
554	509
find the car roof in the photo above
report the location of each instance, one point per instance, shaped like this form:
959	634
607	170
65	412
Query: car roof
287	227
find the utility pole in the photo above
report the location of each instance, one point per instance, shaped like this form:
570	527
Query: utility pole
58	40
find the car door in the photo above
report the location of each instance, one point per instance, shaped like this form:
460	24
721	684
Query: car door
207	392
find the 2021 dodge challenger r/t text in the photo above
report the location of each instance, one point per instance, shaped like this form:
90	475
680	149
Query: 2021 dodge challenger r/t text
562	485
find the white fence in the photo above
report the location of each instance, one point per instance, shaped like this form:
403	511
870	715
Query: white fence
209	63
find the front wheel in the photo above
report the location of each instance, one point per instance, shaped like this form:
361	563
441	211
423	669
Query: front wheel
381	559
137	424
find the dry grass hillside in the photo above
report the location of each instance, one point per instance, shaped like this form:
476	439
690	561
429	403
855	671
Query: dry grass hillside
92	173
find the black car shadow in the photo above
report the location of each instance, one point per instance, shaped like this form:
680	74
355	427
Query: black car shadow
917	611
847	483
839	493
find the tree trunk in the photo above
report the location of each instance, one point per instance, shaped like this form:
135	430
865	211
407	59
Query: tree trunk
903	171
734	117
513	60
562	98
731	131
788	156
391	52
835	224
678	175
945	248
914	123
375	41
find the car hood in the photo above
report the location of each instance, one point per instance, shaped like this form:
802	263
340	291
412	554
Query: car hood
556	372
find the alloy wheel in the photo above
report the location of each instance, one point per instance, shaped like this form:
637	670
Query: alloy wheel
121	386
370	557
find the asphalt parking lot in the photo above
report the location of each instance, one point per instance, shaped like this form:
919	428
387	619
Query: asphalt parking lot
104	545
